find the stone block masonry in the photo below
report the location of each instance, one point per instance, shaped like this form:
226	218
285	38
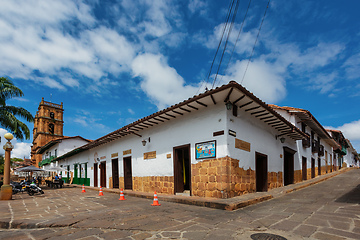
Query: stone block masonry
223	178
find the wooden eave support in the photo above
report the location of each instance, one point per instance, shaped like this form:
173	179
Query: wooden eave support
246	104
228	96
212	98
184	109
200	103
253	108
239	99
192	107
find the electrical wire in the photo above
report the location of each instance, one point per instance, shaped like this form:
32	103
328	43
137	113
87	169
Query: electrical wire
237	39
206	79
252	52
227	40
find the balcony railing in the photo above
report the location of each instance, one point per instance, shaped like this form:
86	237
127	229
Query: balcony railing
306	142
321	151
46	161
315	146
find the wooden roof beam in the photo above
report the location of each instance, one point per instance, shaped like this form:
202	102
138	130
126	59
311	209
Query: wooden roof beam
239	99
253	108
202	104
212	98
258	112
246	104
228	96
184	109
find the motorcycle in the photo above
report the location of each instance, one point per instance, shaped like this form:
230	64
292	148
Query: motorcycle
16	187
30	188
33	188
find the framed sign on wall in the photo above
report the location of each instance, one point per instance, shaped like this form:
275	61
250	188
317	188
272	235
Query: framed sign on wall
205	150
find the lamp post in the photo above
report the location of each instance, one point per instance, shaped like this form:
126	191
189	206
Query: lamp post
6	189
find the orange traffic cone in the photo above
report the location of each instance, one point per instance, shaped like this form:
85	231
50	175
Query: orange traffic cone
100	192
155	202
122	197
83	189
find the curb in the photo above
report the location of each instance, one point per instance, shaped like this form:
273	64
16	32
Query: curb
229	204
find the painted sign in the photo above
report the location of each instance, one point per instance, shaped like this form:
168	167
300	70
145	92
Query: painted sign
150	155
205	150
242	145
126	152
114	155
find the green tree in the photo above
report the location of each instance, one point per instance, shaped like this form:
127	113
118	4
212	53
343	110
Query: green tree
9	114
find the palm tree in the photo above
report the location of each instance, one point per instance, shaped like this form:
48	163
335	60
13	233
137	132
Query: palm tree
8	114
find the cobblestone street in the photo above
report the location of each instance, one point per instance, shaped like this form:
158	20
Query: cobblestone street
327	210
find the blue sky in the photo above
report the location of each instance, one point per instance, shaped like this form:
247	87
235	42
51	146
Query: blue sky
113	62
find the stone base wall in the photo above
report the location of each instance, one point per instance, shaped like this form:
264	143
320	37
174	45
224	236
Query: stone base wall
223	178
160	184
217	178
298	176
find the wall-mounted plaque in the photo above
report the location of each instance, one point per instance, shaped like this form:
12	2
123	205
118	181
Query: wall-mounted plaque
205	150
150	155
242	145
232	133
168	155
114	155
126	152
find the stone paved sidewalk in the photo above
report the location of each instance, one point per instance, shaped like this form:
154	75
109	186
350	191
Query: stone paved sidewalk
327	210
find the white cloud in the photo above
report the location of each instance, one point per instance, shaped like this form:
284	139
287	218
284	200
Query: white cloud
131	111
197	6
262	78
351	130
160	81
20	150
352	66
33	38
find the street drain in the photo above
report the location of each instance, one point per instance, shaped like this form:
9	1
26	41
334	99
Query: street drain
266	236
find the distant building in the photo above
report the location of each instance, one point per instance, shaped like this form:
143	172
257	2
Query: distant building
48	126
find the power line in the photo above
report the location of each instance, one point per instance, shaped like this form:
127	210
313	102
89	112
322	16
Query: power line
252	52
237	39
227	40
206	79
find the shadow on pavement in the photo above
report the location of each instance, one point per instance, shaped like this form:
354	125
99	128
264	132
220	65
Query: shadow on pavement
351	197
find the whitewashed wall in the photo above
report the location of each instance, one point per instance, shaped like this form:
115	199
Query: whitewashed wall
306	152
192	128
66	145
262	139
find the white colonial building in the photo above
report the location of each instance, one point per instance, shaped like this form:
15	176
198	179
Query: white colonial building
222	143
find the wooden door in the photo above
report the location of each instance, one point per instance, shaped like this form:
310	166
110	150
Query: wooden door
95	174
304	168
103	174
261	171
288	166
127	173
182	168
312	167
319	166
115	172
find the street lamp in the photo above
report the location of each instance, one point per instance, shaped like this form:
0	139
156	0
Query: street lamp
6	189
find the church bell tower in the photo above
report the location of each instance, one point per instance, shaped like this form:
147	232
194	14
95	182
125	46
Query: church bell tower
48	126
